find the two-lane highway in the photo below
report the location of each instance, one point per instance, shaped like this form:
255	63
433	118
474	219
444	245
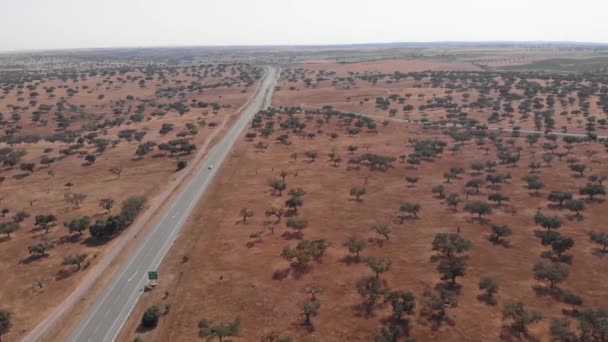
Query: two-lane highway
106	317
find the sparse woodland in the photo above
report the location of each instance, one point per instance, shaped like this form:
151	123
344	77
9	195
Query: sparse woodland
411	215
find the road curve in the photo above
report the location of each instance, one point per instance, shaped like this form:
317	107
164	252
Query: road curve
106	317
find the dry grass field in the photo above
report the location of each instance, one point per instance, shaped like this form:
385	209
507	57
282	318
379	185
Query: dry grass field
236	260
64	133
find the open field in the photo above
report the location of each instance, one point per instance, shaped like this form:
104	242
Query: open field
113	128
226	267
417	91
73	139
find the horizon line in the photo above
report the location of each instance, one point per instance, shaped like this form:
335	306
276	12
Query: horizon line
336	45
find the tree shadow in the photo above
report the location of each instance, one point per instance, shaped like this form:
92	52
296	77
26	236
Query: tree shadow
564	258
141	329
508	209
300	270
364	310
510	333
454	288
599	252
487	299
501	242
21	176
303	326
32	258
573	312
4	238
292	235
95	242
65	273
281	274
377	242
555	206
546	291
71	238
253	243
436	321
494	187
290	213
350	260
574	217
536	194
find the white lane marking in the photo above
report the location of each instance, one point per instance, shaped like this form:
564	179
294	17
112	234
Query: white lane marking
231	140
133	276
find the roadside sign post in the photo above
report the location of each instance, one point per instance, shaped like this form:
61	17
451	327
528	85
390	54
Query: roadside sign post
152	275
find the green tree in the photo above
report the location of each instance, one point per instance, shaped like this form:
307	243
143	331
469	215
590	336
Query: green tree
357	192
439	190
277	212
220	330
304	251
436	302
573	299
475	184
592	190
498	197
601	238
310	309
378	265
45	222
382	229
575	205
402	303
580	168
449	244
79	224
20	216
40	249
499	231
488	285
274	336
294	202
8	228
520	317
6	322
547	222
410	209
452	200
312	155
277	186
75	259
107	204
297	225
560	330
553	272
245	213
371	289
478	207
451	268
559	197
355	245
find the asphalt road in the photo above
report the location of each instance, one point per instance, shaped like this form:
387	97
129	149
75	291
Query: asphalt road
107	316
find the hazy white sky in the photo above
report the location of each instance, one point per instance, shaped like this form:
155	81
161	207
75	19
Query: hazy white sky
50	24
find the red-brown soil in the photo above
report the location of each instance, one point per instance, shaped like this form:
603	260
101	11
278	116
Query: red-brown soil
43	191
216	271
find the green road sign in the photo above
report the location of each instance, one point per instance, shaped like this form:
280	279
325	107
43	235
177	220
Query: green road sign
153	275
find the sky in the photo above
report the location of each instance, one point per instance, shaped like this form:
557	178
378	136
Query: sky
63	24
